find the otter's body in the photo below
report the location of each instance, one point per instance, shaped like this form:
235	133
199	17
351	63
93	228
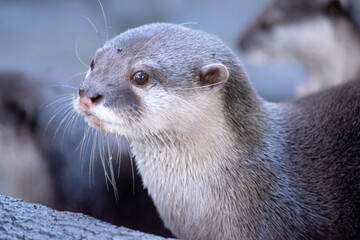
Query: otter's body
217	160
24	171
322	35
322	145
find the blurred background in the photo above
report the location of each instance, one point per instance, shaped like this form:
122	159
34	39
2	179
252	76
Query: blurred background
40	36
44	49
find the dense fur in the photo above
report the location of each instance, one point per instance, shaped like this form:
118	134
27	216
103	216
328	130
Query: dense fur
329	156
218	161
323	35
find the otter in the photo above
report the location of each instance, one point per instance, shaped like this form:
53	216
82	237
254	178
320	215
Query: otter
322	35
24	172
218	161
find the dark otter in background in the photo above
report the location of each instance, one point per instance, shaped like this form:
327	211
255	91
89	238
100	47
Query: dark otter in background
323	35
218	161
39	166
23	169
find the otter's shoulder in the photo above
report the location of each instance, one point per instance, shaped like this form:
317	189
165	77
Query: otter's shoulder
342	100
328	121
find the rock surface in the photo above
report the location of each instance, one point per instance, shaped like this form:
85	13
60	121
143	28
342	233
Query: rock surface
21	220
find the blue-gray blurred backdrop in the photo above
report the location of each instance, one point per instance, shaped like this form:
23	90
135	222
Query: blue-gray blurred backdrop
42	36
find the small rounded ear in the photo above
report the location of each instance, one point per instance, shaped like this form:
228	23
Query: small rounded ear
214	75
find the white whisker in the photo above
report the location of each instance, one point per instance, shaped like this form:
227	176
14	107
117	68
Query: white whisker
105	22
78	74
70	121
192	106
199	87
66	113
76	51
64	98
92	156
93	25
81	143
188	23
60	110
132	172
59	85
119	154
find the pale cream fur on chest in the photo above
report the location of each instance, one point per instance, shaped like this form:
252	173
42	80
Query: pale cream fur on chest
186	180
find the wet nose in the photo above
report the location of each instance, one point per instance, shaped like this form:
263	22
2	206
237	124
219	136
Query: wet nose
89	98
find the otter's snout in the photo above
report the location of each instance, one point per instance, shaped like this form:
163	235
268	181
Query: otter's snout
89	97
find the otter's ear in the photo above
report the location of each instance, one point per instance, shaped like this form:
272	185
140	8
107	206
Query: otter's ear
214	75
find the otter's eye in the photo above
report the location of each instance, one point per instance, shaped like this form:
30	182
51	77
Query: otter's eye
140	78
92	65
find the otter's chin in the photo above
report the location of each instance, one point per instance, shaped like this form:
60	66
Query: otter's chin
106	128
96	123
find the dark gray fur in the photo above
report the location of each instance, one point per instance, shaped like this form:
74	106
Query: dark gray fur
298	161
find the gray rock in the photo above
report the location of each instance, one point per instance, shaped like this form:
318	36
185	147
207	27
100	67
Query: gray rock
21	220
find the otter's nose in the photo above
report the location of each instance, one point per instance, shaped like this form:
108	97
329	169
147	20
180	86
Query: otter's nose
89	98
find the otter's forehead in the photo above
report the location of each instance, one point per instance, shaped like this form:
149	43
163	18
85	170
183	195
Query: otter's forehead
172	55
167	41
131	42
135	39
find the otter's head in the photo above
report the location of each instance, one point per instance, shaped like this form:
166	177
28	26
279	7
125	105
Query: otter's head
298	29
154	79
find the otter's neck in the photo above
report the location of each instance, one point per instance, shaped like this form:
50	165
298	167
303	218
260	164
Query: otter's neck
188	177
339	63
217	179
